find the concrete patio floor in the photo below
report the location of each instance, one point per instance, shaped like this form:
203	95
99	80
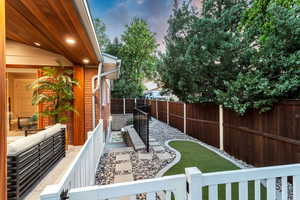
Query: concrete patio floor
54	176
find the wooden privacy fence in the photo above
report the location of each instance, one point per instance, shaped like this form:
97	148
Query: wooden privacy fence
123	106
265	139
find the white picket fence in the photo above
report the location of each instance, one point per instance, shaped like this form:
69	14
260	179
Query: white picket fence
81	172
262	179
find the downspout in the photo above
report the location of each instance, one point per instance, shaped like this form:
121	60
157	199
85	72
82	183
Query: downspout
94	90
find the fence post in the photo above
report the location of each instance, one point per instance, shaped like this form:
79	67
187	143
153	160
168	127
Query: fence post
168	117
221	128
184	118
194	181
156	106
124	108
135	102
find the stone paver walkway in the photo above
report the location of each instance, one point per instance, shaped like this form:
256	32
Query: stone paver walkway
123	164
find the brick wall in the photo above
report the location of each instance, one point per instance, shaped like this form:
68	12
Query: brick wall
88	75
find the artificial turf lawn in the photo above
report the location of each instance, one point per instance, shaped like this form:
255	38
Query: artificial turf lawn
195	155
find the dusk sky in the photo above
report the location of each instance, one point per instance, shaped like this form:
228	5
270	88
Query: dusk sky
117	13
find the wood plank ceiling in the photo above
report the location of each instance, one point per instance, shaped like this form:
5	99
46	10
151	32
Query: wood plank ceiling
49	23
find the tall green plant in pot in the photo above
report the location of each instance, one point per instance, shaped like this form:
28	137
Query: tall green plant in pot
55	90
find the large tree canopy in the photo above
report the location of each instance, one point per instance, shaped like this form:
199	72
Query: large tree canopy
137	52
100	30
202	52
236	54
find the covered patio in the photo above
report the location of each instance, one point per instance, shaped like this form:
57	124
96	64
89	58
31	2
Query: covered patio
46	33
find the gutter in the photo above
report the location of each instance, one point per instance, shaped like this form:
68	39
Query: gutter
83	10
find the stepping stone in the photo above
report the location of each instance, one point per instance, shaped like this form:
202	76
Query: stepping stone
123	178
145	156
126	166
122	149
122	157
154	143
158	148
163	156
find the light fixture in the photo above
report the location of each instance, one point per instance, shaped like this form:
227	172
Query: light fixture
37	44
70	41
85	61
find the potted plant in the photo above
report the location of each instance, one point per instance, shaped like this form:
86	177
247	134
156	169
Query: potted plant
54	89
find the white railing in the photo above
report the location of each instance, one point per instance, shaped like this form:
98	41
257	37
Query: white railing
81	172
190	186
175	184
263	179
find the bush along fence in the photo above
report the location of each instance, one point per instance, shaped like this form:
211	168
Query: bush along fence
270	138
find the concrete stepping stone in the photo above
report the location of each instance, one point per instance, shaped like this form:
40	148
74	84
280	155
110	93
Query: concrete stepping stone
122	149
122	157
158	148
125	166
123	178
145	156
163	156
154	143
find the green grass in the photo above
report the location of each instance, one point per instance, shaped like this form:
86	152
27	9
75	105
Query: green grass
195	155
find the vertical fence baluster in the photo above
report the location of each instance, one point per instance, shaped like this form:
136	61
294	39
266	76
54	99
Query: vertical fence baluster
284	188
213	192
257	189
151	196
228	191
296	187
271	192
243	190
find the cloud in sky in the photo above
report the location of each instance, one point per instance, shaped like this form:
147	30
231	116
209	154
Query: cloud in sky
118	13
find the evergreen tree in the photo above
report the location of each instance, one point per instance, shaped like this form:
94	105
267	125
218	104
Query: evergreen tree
137	53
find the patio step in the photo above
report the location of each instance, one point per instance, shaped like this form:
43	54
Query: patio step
133	139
